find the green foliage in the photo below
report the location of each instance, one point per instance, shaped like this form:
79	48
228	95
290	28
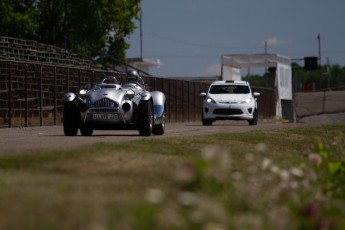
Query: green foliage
18	18
332	77
253	180
87	27
324	78
267	80
331	172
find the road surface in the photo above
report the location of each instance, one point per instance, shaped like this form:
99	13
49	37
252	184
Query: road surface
52	137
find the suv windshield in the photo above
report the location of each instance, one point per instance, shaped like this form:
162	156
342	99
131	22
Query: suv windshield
229	89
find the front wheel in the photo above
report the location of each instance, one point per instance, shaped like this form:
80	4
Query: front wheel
70	119
145	120
86	129
205	122
254	121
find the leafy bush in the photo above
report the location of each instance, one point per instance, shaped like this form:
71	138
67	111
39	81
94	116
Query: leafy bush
331	172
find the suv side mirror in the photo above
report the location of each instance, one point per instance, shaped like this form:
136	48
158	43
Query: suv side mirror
203	95
256	94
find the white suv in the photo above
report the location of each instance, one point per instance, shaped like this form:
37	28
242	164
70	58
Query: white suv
229	100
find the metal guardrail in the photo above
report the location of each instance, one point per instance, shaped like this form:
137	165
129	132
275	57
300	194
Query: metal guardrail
31	94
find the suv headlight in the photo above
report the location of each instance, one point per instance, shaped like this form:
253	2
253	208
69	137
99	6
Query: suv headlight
130	94
246	100
210	100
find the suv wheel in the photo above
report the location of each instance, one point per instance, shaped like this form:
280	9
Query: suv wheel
254	121
206	122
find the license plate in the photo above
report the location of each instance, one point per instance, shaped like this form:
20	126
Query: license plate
105	116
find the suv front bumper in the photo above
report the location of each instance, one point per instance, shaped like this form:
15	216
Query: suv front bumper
228	111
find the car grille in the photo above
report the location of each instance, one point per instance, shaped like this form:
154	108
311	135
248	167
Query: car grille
105	102
228	102
227	111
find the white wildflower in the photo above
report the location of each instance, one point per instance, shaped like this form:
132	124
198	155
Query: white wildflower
275	169
296	172
249	157
187	198
261	147
266	163
284	174
154	196
213	226
315	158
294	184
237	176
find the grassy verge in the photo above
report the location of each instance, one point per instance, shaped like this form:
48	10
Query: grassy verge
282	179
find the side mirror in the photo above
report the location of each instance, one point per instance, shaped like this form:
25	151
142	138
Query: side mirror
203	95
256	94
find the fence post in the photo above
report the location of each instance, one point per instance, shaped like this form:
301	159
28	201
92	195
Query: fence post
41	95
92	77
67	79
55	99
26	96
9	96
79	79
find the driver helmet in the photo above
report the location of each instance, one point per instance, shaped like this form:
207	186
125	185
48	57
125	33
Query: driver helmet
132	76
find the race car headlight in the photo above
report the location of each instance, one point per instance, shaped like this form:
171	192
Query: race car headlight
129	94
246	100
83	92
210	100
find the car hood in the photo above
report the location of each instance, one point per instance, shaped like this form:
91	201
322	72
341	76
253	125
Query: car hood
229	97
112	94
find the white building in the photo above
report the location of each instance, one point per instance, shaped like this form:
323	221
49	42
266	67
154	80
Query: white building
231	70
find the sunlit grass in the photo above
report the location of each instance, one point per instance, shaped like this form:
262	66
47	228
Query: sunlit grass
254	180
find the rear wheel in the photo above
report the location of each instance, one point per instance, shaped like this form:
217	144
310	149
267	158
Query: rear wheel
70	119
145	120
159	129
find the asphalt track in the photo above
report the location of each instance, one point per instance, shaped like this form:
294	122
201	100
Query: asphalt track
52	137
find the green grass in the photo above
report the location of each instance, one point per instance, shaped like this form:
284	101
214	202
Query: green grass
256	180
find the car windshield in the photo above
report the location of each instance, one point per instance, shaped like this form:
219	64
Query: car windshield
103	86
229	89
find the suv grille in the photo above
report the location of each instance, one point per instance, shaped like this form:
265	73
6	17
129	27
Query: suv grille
228	111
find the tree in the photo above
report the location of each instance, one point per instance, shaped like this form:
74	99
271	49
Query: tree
87	27
18	18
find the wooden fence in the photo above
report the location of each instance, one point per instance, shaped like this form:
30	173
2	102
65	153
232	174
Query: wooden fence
31	94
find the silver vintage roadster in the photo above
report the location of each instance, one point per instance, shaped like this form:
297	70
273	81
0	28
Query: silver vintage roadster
110	105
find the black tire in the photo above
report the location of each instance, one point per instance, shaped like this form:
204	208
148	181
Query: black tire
145	120
86	129
159	129
70	119
205	122
254	121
